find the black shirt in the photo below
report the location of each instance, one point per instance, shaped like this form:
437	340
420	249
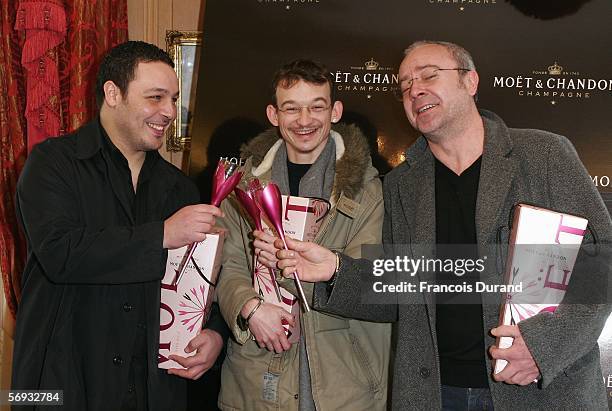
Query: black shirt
296	172
136	395
136	199
459	316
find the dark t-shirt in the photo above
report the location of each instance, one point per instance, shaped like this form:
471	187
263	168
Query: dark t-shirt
296	172
459	317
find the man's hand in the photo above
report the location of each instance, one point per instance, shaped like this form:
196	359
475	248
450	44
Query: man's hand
208	345
266	325
521	368
189	225
313	262
265	249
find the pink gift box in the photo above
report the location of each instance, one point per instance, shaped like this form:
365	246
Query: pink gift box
185	306
544	275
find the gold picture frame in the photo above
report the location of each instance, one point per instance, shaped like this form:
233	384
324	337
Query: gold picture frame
182	46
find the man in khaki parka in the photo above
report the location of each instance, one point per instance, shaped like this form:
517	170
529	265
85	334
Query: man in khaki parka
339	363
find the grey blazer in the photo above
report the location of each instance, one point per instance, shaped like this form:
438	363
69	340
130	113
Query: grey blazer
518	165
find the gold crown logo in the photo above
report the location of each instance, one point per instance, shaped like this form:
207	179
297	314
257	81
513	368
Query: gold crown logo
371	64
555	69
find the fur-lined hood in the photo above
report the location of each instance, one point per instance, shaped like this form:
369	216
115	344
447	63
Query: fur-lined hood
353	166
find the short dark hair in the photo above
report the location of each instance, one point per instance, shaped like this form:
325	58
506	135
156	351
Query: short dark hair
119	65
309	71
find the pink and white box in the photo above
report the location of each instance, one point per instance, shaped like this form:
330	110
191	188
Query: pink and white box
302	219
543	248
185	304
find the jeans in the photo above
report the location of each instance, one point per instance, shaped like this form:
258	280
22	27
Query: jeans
466	399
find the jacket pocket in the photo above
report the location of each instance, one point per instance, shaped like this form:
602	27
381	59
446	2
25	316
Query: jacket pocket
325	322
585	364
61	371
364	362
249	382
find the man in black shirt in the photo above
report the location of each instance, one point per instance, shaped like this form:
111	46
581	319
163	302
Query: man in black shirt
458	185
100	208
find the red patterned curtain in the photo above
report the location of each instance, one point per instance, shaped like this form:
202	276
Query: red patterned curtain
49	57
94	27
44	25
12	151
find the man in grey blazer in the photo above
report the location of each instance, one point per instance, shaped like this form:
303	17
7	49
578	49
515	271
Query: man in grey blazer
458	184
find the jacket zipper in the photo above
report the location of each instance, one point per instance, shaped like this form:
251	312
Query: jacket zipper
326	224
330	217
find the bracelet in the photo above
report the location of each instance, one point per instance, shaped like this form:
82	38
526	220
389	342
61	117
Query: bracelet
337	262
243	323
332	281
246	320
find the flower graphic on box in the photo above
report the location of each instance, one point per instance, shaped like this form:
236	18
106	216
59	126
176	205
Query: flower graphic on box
261	278
194	307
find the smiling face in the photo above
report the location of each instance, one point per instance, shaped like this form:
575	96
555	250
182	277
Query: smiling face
306	131
436	104
139	118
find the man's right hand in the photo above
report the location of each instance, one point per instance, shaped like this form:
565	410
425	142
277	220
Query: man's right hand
189	225
313	262
266	325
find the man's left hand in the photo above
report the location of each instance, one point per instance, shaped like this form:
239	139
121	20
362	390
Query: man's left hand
207	344
521	368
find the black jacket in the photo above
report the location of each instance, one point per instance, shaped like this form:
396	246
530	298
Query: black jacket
91	270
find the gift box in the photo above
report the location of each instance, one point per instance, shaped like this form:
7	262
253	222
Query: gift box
542	252
185	304
302	218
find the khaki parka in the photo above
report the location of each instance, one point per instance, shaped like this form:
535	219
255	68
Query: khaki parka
348	359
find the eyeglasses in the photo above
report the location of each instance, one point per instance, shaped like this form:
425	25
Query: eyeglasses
293	111
428	76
